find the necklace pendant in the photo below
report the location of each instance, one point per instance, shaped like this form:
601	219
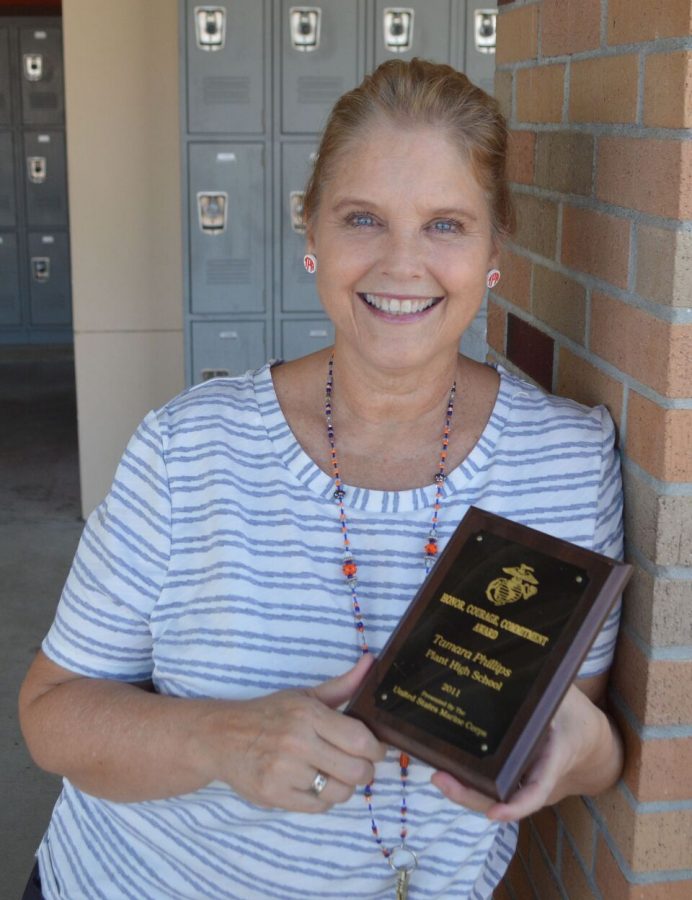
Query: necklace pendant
402	882
403	861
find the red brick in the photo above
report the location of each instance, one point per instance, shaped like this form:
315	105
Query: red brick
604	89
647	20
655	352
574	879
531	350
570	26
540	91
653	176
581	381
564	161
596	243
560	302
614	885
520	154
541	875
668	90
536	224
517	35
659	440
580	825
515	284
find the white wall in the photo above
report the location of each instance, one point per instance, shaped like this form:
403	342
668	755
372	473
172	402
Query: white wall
121	68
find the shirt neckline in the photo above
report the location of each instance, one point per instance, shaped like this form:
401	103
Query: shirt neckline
321	485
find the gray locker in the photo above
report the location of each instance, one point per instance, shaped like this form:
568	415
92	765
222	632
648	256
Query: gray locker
45	179
5	99
319	60
10	299
298	286
8	210
40	55
420	28
226	49
227	229
49	279
481	31
300	337
226	348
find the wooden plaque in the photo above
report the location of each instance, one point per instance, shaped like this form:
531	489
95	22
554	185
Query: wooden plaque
472	675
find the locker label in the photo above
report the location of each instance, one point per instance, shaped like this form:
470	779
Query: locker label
40	268
33	66
212	209
305	24
214	373
296	207
44	139
38	168
228	335
398	29
485	30
210	27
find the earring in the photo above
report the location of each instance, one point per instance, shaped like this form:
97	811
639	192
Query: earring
310	263
492	278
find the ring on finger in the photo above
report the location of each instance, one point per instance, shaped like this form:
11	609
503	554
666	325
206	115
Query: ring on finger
319	783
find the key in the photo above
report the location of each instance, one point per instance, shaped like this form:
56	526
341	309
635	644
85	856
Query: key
402	881
403	861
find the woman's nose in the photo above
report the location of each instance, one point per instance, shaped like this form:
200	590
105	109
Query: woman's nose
402	256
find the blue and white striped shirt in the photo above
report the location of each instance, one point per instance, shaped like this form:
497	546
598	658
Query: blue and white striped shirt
213	567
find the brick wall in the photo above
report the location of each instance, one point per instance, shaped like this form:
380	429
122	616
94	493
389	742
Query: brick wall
594	303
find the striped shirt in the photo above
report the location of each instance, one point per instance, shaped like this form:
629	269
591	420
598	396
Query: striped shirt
213	568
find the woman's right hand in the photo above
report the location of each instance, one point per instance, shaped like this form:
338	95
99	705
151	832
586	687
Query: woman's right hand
270	749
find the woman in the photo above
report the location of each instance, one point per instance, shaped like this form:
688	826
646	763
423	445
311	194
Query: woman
221	567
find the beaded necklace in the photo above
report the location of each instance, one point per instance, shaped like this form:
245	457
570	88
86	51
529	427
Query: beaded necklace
402	860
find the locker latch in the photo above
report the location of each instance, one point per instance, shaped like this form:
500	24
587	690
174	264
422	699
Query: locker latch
38	168
305	27
295	200
40	268
210	27
212	209
398	29
485	30
33	66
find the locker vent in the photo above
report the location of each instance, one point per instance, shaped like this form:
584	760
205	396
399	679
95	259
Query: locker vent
226	90
316	89
228	271
44	101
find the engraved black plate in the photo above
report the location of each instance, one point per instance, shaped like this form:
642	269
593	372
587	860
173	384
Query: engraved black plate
472	675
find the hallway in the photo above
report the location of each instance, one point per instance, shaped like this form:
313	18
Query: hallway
40	526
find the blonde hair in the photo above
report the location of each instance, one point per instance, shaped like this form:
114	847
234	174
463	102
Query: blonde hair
422	93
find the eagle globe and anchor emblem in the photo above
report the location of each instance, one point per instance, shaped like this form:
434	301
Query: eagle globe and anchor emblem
522	585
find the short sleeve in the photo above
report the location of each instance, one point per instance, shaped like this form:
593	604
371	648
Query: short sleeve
608	540
101	628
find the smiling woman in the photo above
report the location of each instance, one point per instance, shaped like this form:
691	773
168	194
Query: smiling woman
265	534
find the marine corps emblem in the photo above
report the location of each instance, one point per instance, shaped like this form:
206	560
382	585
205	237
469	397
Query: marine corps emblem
520	586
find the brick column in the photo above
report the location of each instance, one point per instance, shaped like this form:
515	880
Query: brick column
594	303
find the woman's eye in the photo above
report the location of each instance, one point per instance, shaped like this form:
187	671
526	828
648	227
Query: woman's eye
446	226
361	220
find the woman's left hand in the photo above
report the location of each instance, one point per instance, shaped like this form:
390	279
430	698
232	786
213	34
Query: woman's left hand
581	754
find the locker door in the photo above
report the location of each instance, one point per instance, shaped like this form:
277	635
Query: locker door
298	287
481	30
10	305
49	278
226	348
45	179
418	28
298	338
225	55
7	198
227	228
5	110
319	60
40	57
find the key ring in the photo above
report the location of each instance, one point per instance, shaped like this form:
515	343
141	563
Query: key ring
402	859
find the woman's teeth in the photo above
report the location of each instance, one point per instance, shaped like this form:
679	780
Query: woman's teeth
398	307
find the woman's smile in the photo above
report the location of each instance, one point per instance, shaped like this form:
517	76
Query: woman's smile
399	307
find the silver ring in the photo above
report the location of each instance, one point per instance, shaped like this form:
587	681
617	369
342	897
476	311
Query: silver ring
319	783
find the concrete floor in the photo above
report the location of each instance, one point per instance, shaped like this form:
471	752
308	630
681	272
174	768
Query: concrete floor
40	526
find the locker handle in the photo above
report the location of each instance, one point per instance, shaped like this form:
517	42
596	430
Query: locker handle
485	30
398	29
210	27
40	268
305	24
318	332
212	208
33	66
228	335
214	373
38	169
295	201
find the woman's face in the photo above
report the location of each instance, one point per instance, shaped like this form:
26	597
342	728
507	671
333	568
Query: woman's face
403	242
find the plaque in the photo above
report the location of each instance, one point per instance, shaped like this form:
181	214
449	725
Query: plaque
472	675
